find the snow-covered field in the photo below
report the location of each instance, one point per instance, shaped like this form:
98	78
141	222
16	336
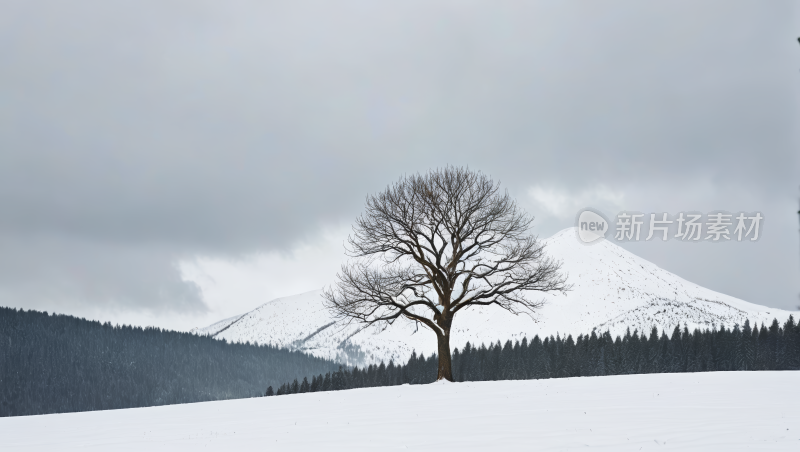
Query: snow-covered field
613	289
722	411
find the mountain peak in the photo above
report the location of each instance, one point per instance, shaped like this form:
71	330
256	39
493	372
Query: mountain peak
612	289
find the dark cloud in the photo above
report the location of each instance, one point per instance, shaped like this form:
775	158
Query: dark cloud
142	132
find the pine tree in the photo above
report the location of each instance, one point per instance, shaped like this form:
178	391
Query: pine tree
504	361
763	348
326	384
748	347
775	353
791	333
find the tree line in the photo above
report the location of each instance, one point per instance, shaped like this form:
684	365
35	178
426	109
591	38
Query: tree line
60	363
773	347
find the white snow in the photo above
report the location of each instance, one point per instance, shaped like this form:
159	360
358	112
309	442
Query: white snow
722	411
613	289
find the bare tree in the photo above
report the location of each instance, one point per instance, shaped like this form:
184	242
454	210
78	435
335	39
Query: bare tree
432	245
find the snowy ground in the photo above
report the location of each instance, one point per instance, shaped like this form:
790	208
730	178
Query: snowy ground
705	411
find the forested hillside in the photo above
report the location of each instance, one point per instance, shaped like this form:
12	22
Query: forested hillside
59	363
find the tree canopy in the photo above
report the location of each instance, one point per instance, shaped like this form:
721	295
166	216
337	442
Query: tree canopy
432	245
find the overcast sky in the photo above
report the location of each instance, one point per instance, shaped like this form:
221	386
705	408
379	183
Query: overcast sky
177	162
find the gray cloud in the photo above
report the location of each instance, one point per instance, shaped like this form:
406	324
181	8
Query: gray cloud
89	276
142	132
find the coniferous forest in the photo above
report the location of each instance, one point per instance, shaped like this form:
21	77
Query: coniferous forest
776	347
59	363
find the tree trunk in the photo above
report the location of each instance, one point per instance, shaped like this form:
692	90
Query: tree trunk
445	364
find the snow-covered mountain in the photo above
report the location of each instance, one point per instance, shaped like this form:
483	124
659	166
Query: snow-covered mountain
612	290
